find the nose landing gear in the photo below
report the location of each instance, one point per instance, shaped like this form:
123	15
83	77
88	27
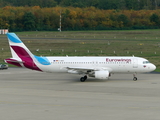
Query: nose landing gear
134	77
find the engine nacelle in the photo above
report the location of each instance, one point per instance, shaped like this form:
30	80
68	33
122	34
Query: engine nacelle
101	74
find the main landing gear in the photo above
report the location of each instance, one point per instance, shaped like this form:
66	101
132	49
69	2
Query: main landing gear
134	77
83	79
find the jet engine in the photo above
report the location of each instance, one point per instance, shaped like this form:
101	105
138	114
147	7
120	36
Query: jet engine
101	74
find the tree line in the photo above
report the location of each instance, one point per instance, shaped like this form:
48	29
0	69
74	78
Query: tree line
100	4
90	18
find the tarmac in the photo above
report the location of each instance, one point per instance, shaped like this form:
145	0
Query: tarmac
31	95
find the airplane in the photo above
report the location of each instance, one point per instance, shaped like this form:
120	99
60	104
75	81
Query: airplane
100	67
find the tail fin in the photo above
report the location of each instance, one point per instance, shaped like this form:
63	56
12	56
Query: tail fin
21	55
18	49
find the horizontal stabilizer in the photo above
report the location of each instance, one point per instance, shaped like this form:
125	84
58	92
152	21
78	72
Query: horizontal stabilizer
13	60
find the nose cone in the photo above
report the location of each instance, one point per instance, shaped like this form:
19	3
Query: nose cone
152	67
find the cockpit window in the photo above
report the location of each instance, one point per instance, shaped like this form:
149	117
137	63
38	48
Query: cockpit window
146	62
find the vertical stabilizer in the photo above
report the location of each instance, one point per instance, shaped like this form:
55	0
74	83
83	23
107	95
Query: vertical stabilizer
21	55
17	47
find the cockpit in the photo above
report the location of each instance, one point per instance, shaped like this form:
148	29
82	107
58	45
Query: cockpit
146	62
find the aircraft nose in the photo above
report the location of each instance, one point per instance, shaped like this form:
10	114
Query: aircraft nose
153	67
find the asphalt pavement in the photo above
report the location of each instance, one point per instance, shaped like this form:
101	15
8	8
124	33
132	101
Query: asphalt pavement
31	95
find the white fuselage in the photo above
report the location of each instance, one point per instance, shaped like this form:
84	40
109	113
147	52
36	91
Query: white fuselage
111	64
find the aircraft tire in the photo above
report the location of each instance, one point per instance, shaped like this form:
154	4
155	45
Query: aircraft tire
85	77
135	78
82	79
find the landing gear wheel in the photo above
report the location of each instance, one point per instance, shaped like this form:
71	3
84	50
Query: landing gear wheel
135	78
85	77
82	79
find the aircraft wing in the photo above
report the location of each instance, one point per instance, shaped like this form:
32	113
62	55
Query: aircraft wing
86	70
